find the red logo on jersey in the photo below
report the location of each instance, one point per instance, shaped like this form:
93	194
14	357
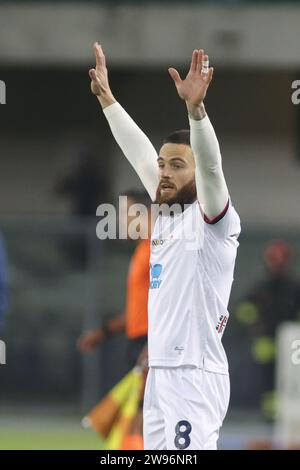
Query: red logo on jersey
222	323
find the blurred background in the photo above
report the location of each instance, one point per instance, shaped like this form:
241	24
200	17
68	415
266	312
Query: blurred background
59	162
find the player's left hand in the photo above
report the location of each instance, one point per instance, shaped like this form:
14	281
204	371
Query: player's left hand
194	87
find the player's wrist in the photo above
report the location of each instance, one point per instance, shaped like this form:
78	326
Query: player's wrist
196	111
106	99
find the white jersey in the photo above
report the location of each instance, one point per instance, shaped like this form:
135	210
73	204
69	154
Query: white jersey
190	284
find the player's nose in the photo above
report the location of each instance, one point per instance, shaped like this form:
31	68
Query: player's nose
165	173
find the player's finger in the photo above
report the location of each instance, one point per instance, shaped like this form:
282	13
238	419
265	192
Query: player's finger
96	52
99	55
175	75
102	55
199	60
210	74
93	75
193	66
205	65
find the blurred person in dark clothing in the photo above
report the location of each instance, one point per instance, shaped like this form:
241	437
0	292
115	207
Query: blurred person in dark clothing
4	295
86	187
272	301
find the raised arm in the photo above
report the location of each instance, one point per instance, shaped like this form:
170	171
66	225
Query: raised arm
133	142
211	186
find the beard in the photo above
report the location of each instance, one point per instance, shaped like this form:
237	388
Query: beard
184	196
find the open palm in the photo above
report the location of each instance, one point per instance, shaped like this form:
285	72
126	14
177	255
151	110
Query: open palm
99	75
194	87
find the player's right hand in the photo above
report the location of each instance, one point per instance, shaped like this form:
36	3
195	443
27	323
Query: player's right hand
142	360
99	76
89	340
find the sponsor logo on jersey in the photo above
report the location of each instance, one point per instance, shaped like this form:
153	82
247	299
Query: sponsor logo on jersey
158	242
155	272
221	323
179	349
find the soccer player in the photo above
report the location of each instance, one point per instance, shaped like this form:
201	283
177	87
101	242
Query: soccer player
187	388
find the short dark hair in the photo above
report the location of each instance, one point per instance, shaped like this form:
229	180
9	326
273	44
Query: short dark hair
139	196
178	137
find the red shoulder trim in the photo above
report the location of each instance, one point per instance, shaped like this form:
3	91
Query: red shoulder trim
218	217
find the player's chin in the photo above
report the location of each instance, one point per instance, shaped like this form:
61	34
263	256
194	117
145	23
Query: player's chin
168	193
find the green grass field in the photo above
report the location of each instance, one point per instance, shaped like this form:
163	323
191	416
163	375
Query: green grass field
42	431
59	428
43	440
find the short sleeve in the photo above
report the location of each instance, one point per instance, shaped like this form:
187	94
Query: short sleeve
226	225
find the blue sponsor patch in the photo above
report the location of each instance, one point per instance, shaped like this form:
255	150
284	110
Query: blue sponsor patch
155	272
